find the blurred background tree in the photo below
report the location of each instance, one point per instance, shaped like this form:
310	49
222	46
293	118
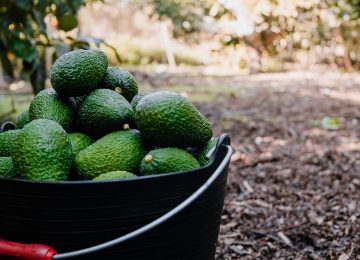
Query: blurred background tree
331	26
245	33
275	27
32	30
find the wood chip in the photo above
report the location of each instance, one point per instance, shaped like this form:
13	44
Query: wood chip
284	238
248	187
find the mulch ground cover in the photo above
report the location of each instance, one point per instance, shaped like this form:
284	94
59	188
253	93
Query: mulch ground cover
294	186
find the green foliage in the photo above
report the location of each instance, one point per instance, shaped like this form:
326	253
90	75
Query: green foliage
186	15
304	24
24	36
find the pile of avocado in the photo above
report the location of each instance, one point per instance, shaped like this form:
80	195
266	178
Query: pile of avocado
94	125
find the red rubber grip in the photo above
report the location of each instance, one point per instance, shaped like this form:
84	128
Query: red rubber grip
26	251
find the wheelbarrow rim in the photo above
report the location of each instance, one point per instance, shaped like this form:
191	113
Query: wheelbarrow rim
224	139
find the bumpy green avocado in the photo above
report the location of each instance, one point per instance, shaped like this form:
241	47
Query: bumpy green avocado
7	140
6	167
121	81
47	104
78	72
22	119
137	99
42	151
201	157
79	141
166	160
167	119
117	151
104	111
115	175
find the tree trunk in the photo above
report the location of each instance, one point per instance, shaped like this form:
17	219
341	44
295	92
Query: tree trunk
346	59
168	45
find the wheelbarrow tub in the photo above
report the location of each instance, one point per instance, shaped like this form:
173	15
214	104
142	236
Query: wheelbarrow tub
73	215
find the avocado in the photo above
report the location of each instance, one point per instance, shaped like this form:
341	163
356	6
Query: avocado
7	140
115	175
136	100
6	167
47	104
42	151
121	81
167	119
166	160
79	141
78	72
117	151
22	119
201	157
104	111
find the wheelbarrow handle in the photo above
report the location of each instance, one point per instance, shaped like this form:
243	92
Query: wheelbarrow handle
26	251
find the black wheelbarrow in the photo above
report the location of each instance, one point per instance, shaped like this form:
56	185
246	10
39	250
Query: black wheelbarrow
168	216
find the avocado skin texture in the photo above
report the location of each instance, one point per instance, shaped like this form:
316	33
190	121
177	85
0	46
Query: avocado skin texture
6	167
47	104
117	151
22	119
115	175
166	160
120	78
42	151
79	141
167	119
7	140
104	111
78	72
137	99
201	157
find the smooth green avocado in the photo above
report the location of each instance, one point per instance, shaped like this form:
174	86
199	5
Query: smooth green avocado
104	111
79	141
22	119
167	119
166	160
42	151
78	72
115	175
47	104
7	140
121	81
117	151
6	167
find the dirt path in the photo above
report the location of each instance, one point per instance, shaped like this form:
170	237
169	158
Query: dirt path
294	187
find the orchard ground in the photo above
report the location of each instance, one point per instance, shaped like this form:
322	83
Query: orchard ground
294	181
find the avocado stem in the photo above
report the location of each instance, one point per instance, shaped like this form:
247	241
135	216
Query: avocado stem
118	90
148	158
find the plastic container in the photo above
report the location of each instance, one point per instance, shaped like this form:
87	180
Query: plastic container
183	210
